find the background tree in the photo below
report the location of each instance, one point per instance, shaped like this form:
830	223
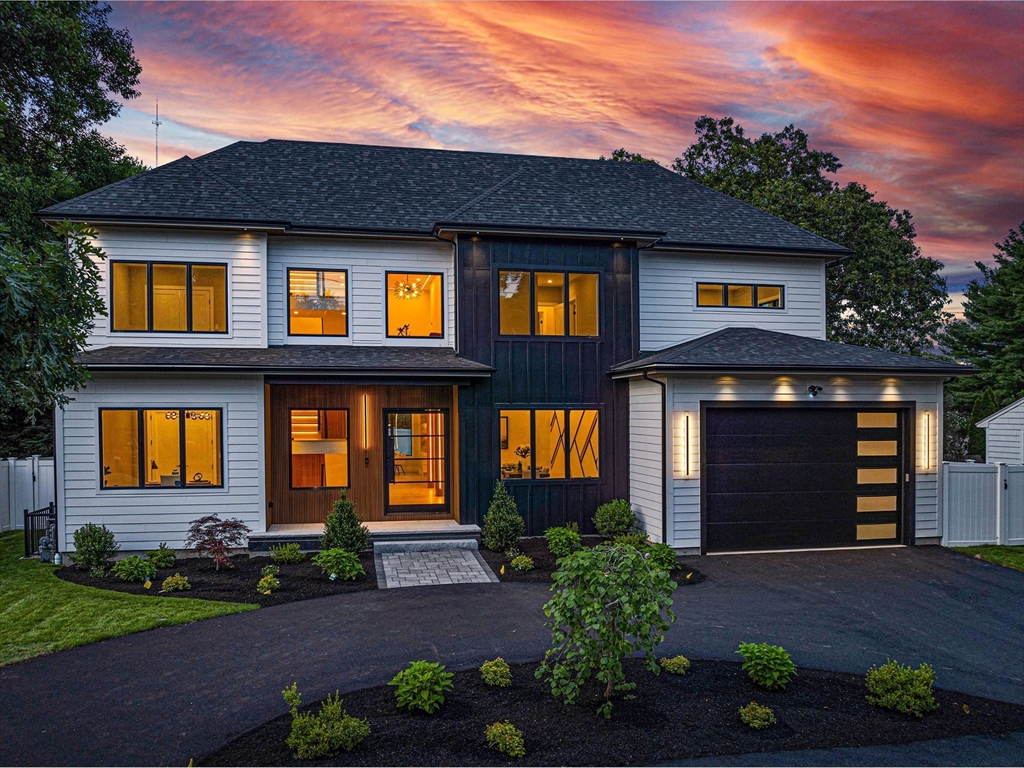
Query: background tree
63	71
622	156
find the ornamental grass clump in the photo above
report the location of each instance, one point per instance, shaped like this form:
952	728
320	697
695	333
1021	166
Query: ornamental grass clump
422	686
893	686
215	538
163	556
287	554
343	528
339	564
564	540
95	547
328	732
134	568
175	583
609	604
677	665
503	525
496	673
757	716
615	518
769	666
505	738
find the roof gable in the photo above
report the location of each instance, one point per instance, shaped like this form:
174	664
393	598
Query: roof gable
1001	412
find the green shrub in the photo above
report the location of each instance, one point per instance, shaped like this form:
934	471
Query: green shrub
893	686
326	733
287	554
636	539
162	557
769	666
522	563
677	665
563	541
757	716
503	525
95	547
344	529
339	564
505	738
496	673
98	573
176	583
662	556
609	604
270	570
267	584
134	568
422	686
615	518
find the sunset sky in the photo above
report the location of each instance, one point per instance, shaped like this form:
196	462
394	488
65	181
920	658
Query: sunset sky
922	102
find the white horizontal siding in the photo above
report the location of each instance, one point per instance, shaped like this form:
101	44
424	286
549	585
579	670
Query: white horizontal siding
1004	437
243	252
366	262
142	518
645	476
668	305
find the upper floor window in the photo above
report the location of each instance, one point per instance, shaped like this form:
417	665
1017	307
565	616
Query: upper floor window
739	295
547	303
156	296
415	305
317	302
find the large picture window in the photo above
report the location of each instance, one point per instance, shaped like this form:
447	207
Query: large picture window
317	302
740	295
415	305
169	298
319	443
547	303
549	444
149	447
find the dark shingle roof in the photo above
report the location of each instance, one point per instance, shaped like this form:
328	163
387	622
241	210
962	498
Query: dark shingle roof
357	188
755	350
340	360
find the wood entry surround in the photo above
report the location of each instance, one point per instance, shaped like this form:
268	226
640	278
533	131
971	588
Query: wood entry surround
365	433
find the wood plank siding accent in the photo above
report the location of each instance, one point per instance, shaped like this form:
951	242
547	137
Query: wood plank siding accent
366	464
544	372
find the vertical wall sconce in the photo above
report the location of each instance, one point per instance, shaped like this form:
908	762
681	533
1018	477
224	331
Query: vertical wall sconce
366	422
686	445
926	452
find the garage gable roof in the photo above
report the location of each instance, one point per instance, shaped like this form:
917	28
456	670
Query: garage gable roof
754	349
1001	412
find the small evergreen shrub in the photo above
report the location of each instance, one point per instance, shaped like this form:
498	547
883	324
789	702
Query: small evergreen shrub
95	547
270	570
328	732
287	554
757	716
505	738
893	686
522	563
98	573
134	568
615	518
176	583
344	529
563	541
497	673
267	584
769	666
339	564
422	686
636	539
162	557
677	665
215	538
503	525
662	556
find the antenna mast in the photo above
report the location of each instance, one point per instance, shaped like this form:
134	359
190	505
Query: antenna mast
158	122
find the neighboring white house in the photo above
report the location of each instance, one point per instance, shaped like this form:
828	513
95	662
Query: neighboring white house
1004	434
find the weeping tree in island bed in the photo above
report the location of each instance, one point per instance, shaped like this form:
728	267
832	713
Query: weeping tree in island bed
611	602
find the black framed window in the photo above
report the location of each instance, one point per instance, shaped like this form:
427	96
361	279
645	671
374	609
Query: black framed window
162	297
319	448
414	304
317	302
740	295
549	443
161	448
548	303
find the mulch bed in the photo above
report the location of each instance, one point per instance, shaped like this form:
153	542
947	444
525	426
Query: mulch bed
672	718
536	547
299	581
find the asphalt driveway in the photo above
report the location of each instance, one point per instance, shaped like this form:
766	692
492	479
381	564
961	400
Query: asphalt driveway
165	696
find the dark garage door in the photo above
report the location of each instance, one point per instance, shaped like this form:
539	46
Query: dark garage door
788	478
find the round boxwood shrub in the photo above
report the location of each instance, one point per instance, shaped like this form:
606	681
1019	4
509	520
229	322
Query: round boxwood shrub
893	686
615	518
95	547
496	673
505	738
757	716
563	541
176	583
503	525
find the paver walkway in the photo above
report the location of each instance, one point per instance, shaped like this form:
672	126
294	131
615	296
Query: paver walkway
423	569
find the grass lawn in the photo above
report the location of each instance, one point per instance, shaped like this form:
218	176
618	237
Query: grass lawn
1011	557
41	614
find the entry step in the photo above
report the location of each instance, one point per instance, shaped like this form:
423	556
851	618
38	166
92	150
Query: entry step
307	535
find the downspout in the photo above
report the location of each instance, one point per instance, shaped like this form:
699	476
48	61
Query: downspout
664	456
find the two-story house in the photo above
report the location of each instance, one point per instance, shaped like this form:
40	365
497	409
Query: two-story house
287	319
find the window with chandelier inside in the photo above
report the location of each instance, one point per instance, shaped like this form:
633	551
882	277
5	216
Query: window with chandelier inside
415	305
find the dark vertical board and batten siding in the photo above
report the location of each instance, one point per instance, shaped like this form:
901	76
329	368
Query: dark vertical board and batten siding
539	372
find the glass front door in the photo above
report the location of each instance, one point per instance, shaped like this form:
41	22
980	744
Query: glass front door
416	461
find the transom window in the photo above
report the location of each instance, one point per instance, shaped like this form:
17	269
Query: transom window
549	444
415	305
148	447
317	302
171	298
319	444
547	303
740	295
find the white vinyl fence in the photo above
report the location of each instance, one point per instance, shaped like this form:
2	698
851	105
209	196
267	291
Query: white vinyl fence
24	484
983	503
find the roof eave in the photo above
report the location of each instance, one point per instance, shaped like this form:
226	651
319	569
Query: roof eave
643	238
294	370
789	371
151	221
819	253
